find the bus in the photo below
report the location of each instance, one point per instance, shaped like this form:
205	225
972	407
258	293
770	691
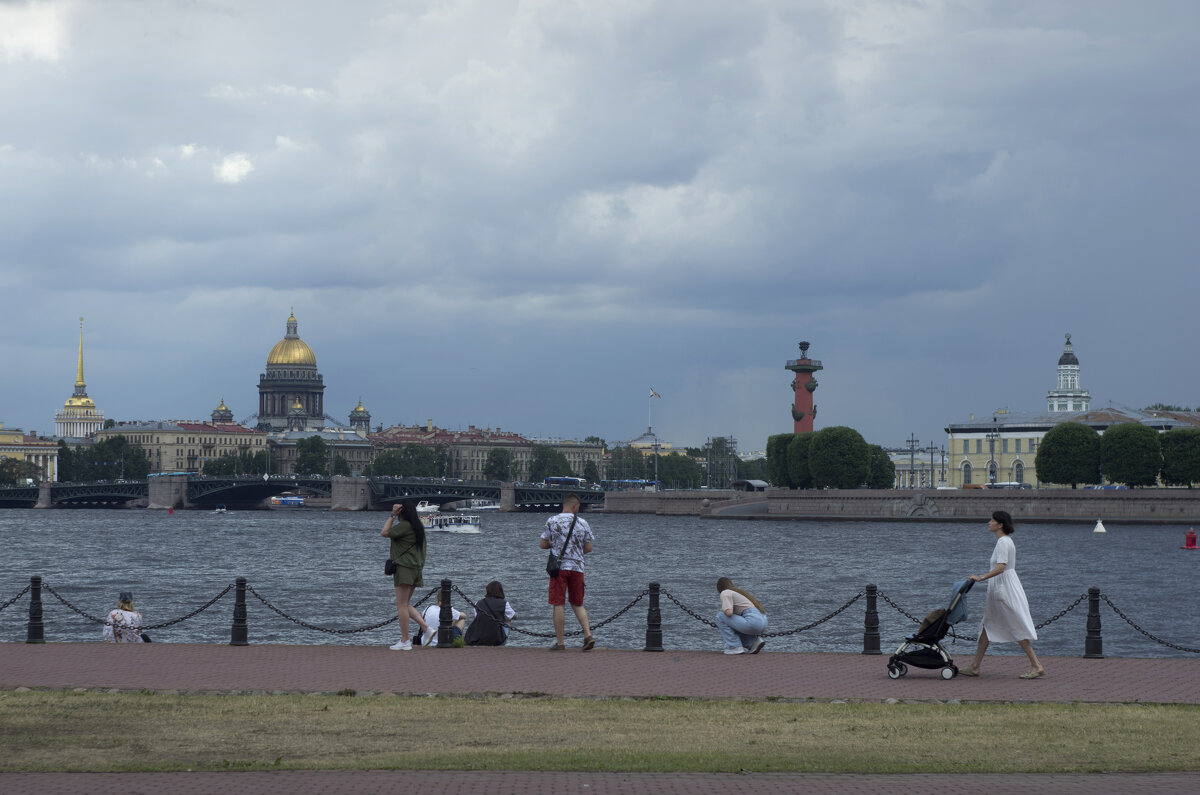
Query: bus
632	484
578	483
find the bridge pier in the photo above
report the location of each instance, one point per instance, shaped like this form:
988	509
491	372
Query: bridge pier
508	497
167	492
349	493
45	500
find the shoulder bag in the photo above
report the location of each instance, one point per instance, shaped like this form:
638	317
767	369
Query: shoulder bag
554	562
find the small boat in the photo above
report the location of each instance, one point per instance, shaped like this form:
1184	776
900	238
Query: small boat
287	501
1099	528
425	507
452	522
220	509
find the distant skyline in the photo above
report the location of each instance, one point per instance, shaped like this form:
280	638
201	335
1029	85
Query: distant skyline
526	215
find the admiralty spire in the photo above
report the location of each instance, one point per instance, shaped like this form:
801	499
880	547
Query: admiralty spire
78	417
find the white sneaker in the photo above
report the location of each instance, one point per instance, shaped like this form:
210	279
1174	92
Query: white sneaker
427	638
757	647
735	650
404	645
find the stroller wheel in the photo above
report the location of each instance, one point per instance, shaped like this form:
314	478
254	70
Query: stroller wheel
893	672
949	672
903	669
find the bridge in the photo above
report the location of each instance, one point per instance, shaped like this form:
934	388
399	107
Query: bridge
246	492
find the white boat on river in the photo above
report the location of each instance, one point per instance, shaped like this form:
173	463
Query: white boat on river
452	523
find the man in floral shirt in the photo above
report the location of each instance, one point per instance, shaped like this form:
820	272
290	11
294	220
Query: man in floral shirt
568	584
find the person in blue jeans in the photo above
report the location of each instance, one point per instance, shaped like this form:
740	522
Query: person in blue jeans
741	619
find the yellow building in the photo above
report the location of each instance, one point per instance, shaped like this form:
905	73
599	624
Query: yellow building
185	446
41	455
78	417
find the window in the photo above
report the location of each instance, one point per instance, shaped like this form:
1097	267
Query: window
1004	445
966	446
1017	443
966	474
978	446
1019	472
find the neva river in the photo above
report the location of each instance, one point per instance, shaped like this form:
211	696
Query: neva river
327	569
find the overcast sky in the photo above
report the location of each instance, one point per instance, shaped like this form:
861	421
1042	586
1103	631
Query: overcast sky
528	214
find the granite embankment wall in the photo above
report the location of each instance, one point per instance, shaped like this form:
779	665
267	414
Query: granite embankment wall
1174	506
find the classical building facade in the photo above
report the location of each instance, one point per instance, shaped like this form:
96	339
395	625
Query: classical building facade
39	455
467	451
183	446
79	417
291	393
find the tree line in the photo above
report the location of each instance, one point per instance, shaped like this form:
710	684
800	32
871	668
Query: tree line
1132	454
837	458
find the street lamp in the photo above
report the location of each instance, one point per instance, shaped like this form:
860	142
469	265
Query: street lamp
912	450
992	437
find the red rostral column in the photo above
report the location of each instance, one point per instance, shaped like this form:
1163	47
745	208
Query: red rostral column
804	410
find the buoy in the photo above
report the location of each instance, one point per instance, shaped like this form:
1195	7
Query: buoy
1189	539
1099	528
170	510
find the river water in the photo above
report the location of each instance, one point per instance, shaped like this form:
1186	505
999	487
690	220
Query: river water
327	569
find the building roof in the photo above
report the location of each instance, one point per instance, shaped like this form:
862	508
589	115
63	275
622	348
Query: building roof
1095	418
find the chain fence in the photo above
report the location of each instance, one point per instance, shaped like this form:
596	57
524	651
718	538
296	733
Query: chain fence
795	631
12	601
331	630
572	634
97	620
1154	638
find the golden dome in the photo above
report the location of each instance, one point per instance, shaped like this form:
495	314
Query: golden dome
79	402
291	349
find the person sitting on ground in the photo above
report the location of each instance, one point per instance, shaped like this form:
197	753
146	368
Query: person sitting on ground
433	617
124	625
741	619
493	614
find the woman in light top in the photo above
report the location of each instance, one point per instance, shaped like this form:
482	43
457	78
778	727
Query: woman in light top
124	625
1006	616
741	619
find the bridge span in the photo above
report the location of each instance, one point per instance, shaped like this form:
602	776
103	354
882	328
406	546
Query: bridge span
249	492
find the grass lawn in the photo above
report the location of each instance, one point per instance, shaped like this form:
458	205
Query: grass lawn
91	731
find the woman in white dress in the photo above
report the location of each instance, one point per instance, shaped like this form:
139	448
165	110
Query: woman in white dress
1006	616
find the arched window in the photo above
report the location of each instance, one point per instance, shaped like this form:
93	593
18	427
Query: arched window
1019	472
966	474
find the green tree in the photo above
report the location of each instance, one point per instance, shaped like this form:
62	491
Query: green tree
777	460
1130	453
678	471
1163	407
67	463
838	458
111	459
595	440
409	461
883	470
1069	453
340	465
591	472
312	456
545	461
799	450
499	464
1181	456
754	469
626	463
14	471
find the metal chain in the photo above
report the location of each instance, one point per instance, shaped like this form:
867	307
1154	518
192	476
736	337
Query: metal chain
573	633
687	609
898	608
316	628
816	623
1129	621
1062	612
804	628
10	602
105	620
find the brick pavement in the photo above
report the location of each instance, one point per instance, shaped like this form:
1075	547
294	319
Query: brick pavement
600	673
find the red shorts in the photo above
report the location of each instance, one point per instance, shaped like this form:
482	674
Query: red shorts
567	584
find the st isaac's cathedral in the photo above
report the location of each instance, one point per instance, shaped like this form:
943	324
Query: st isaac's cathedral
291	393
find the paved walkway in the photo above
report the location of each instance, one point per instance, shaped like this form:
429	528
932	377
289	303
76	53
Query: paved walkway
601	672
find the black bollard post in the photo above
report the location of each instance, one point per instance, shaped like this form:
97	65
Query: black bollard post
871	624
36	631
240	634
445	632
1093	646
653	621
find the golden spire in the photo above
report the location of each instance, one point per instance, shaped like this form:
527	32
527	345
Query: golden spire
79	373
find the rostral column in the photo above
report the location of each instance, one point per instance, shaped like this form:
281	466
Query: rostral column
803	385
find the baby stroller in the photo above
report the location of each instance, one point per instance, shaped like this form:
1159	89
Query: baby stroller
923	649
